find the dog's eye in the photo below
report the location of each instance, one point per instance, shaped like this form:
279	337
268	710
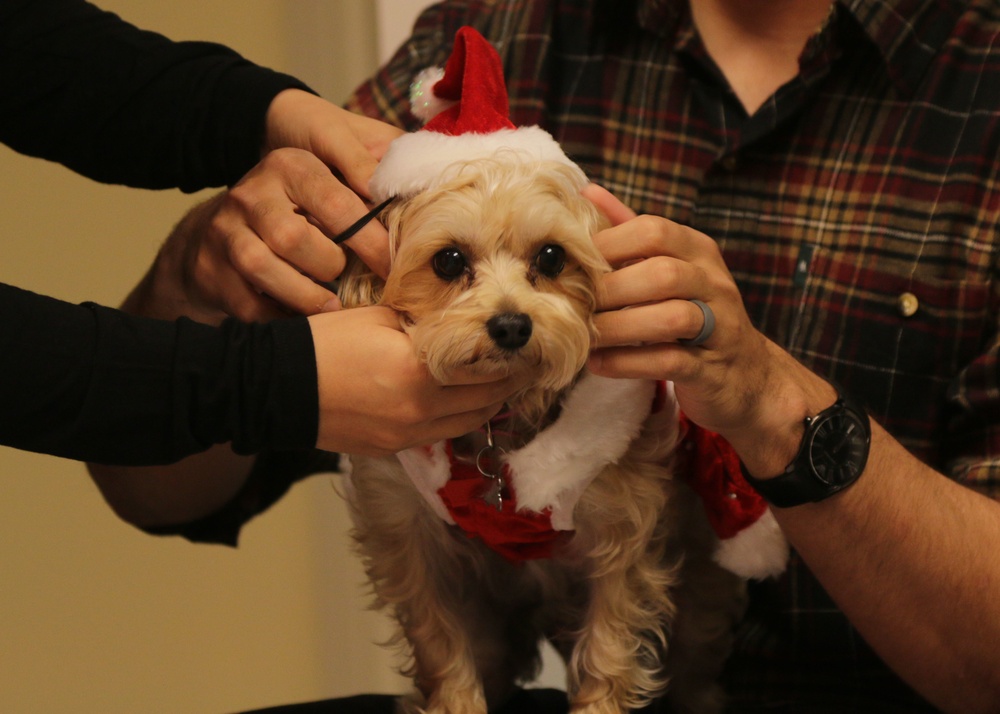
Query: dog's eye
551	260
449	264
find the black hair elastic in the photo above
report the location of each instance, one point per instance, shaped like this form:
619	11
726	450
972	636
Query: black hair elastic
362	222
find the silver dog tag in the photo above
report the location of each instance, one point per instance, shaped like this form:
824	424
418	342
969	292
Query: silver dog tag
494	494
489	465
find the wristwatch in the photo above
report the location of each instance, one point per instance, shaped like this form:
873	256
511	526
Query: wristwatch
832	455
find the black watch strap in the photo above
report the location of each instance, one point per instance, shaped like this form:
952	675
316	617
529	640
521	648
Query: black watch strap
785	490
808	481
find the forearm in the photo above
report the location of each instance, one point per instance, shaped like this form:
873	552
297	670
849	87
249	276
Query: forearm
904	552
91	383
191	488
123	105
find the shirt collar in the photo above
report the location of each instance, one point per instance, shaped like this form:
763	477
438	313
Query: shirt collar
906	33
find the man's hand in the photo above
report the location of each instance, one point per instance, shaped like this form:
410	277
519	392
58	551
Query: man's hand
738	382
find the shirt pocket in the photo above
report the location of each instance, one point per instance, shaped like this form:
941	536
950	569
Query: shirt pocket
896	340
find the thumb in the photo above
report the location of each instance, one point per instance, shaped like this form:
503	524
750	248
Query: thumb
616	211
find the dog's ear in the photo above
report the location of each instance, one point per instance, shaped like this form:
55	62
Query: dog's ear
359	285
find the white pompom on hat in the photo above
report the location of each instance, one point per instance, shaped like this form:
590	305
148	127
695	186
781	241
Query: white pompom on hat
467	117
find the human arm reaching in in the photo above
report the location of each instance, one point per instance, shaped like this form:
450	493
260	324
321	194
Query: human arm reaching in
263	248
120	104
905	552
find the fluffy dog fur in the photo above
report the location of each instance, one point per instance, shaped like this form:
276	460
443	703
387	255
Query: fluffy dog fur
609	597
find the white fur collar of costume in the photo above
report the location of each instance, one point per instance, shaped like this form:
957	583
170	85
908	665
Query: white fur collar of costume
600	417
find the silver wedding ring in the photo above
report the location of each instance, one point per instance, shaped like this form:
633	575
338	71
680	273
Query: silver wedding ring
707	326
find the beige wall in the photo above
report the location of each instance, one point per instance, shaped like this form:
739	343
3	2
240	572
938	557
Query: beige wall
95	617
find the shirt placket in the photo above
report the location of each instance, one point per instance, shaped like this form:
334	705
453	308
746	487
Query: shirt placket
732	199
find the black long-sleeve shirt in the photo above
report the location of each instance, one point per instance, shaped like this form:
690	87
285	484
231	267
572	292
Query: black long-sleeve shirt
82	87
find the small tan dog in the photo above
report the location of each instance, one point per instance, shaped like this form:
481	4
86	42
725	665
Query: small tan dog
496	271
561	518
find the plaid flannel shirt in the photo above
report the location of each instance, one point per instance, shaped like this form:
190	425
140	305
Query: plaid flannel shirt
856	210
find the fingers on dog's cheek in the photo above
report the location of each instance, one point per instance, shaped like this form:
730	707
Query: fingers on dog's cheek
615	245
632	285
639	239
654	323
651	280
608	204
453	425
484	387
649	236
609	329
632	363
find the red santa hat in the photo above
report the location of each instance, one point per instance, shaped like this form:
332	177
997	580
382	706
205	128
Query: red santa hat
467	117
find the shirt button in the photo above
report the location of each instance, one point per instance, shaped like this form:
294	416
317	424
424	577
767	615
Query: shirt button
908	304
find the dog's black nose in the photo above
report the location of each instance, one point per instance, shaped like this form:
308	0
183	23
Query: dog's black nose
509	330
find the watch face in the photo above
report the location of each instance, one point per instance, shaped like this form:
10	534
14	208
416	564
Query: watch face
838	449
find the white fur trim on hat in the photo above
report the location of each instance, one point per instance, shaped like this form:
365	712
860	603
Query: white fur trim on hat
421	160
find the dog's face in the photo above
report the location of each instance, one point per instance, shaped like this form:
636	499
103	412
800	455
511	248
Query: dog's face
495	271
